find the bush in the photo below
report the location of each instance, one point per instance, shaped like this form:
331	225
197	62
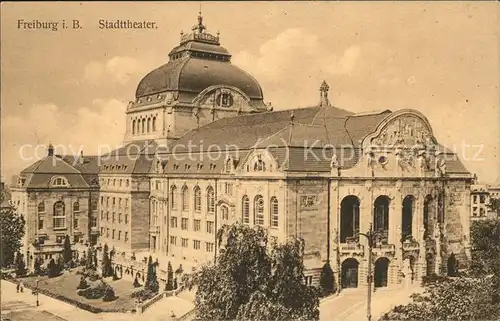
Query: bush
83	284
143	295
327	280
109	294
92	275
136	283
95	291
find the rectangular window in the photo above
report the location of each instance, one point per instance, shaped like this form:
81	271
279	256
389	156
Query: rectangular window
173	222
184	223
126	218
126	236
59	222
228	188
209	247
120	218
114	215
113	235
196	244
475	199
184	242
40	223
75	223
173	240
107	216
196	225
210	227
482	199
119	235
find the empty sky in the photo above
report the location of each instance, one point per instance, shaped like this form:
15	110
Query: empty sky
71	87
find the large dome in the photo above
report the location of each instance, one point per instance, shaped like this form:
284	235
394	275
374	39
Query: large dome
196	64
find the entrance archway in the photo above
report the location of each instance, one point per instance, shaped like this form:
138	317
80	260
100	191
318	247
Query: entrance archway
349	278
381	272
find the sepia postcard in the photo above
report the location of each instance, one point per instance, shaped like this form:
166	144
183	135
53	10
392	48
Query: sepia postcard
250	160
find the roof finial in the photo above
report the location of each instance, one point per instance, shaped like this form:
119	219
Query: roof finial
50	149
323	89
292	117
200	27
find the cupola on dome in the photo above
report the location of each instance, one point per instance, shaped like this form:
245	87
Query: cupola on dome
198	62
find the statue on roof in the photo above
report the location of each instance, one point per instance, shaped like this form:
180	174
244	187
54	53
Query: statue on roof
199	27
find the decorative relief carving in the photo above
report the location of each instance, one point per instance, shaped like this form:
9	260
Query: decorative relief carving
309	202
407	130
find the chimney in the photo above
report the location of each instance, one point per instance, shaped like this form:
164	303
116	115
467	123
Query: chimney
323	90
81	157
50	150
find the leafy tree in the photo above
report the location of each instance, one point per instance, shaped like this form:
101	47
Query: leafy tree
106	262
109	294
450	299
12	231
485	239
151	278
254	280
38	265
327	280
494	206
53	269
20	265
170	278
67	253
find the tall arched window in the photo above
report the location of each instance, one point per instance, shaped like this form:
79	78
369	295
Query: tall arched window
349	219
143	125
381	216
245	209
258	210
133	127
149	125
138	130
173	197
76	207
154	124
274	212
210	200
197	199
407	217
224	212
184	199
41	207
59	219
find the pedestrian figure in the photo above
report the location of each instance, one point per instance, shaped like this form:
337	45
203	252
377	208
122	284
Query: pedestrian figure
17	288
21	287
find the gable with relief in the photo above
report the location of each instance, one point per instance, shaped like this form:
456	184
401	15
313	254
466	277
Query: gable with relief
406	130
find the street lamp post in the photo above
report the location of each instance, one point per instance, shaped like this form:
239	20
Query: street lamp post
37	301
371	237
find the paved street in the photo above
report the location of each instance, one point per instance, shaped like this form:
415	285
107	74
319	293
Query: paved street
350	305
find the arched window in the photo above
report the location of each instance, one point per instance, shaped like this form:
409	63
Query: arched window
224	212
258	210
245	209
229	164
143	125
138	130
274	212
173	197
407	217
149	125
184	199
41	207
381	216
59	219
349	219
133	127
428	219
210	200
154	124
76	207
197	199
259	165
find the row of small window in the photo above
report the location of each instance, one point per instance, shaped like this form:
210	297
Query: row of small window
114	167
113	217
114	234
60	207
184	198
196	225
144	125
209	247
114	182
113	201
259	210
60	222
